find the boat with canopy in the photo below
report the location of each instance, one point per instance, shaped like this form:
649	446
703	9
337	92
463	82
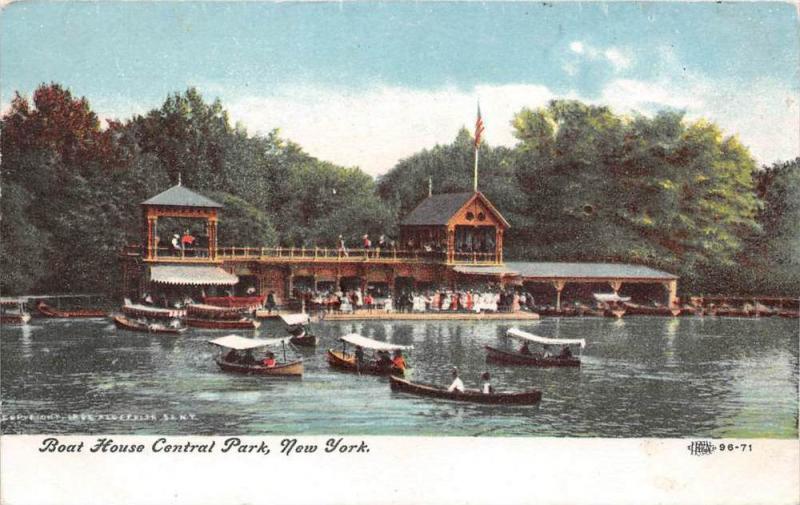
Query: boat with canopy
531	397
612	304
346	361
136	310
239	357
211	317
543	358
297	326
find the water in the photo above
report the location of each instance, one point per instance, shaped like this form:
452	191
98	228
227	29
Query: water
641	377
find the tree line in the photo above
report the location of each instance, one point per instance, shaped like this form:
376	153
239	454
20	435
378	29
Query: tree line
581	184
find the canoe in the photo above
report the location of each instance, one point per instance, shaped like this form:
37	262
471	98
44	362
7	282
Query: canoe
48	311
306	340
347	362
15	319
221	324
514	358
531	397
123	323
290	369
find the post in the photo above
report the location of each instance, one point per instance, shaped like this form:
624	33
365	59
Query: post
672	292
615	286
559	285
475	171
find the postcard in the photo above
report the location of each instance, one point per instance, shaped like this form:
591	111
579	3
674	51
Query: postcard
395	252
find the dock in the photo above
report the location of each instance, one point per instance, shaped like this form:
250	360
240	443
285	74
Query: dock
430	316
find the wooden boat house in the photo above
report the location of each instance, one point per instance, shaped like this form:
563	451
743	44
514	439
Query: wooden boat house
450	239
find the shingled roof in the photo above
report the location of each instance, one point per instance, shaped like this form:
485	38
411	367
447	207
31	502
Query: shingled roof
181	196
437	210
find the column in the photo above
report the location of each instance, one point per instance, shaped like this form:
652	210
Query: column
212	237
151	230
559	285
451	244
615	286
498	244
672	292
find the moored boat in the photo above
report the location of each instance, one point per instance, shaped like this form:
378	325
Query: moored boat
223	324
538	358
203	311
234	362
531	397
297	326
342	360
612	304
12	312
136	310
125	323
239	302
48	311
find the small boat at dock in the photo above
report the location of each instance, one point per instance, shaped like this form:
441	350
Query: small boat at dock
297	326
234	362
124	323
13	313
531	397
612	304
203	311
223	324
136	310
238	302
48	311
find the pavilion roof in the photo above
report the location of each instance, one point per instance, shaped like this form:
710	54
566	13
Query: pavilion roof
553	270
181	196
437	210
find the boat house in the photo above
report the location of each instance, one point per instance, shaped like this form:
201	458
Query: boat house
451	239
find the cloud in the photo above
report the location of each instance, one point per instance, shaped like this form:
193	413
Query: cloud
576	47
583	53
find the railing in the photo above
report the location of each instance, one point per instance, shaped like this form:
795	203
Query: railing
314	254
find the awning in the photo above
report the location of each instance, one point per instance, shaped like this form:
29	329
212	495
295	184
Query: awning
514	332
242	343
293	319
194	275
368	343
488	270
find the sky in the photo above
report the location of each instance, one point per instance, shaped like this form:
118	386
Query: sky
367	84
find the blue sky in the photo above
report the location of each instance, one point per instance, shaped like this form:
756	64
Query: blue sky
365	84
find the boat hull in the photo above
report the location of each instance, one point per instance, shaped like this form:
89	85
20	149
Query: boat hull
154	313
514	358
291	369
123	323
15	319
304	341
48	311
347	362
219	324
472	396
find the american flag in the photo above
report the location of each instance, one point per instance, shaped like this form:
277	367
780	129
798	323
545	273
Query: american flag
478	128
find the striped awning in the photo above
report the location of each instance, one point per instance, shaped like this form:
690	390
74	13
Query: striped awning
191	275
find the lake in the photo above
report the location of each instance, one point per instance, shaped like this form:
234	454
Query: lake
640	377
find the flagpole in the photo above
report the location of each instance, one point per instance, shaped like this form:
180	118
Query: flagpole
475	172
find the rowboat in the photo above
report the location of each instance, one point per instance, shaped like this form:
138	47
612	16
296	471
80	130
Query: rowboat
644	310
235	344
136	310
12	312
531	397
612	304
297	326
123	323
539	359
223	324
240	302
48	311
342	360
203	311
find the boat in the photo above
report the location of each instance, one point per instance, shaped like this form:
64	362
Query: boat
612	304
634	309
12	312
235	344
48	311
136	310
531	397
239	302
538	359
203	311
342	360
123	323
223	324
297	326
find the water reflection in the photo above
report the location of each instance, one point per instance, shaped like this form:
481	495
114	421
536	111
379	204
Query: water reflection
640	377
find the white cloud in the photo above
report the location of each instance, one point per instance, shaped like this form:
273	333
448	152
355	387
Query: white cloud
619	59
375	128
576	47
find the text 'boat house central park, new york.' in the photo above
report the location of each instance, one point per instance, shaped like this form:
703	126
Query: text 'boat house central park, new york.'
450	240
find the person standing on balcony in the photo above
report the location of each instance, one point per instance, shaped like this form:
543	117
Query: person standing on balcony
381	245
187	241
342	248
367	245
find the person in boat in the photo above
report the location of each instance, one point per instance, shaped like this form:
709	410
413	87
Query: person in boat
232	356
271	302
399	361
525	349
269	360
248	358
486	388
359	354
384	360
457	384
566	353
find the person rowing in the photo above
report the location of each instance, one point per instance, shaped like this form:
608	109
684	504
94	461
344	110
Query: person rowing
457	384
398	361
487	385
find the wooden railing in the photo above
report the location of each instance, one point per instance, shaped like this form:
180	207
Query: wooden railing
314	254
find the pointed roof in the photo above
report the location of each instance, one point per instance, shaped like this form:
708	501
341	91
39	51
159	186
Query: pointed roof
437	210
181	196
